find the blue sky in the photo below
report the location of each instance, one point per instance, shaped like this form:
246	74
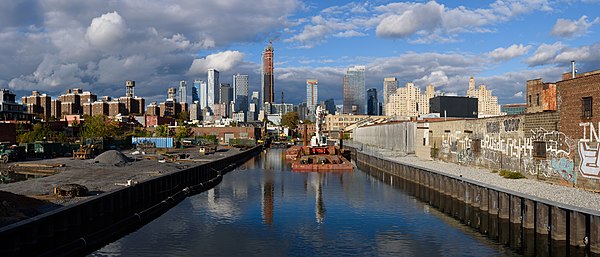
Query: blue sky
54	45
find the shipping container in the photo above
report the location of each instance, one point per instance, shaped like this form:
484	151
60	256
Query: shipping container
159	142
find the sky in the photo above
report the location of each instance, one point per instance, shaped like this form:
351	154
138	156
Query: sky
54	45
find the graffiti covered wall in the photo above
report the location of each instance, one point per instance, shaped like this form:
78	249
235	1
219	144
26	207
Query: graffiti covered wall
527	143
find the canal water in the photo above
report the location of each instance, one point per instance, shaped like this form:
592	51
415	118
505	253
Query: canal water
264	209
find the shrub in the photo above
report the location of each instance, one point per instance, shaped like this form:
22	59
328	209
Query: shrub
511	174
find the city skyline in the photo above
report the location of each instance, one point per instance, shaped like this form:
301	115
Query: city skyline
96	46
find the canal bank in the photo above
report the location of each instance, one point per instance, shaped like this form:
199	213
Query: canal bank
90	223
545	223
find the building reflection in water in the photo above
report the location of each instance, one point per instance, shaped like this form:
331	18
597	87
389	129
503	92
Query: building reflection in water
268	190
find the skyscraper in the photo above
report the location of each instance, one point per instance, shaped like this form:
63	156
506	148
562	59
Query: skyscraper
196	91
389	88
240	92
354	90
182	92
330	106
372	102
213	88
267	75
202	94
311	95
225	93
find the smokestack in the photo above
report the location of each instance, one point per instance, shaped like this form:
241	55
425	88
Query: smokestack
572	69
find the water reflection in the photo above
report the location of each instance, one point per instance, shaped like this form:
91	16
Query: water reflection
264	209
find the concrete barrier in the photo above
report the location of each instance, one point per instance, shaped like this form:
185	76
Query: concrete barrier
83	227
528	225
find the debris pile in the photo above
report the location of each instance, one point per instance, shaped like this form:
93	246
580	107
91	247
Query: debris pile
112	157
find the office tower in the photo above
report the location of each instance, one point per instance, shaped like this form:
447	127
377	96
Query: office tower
372	103
225	93
389	88
225	98
196	91
330	105
182	91
213	88
240	92
312	95
354	90
267	75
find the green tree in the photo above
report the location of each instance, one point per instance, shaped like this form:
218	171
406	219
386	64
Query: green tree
161	131
290	120
182	132
39	132
182	117
99	126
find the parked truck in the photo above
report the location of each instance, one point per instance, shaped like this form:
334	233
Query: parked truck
7	154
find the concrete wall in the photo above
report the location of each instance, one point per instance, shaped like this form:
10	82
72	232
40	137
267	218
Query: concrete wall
395	136
531	227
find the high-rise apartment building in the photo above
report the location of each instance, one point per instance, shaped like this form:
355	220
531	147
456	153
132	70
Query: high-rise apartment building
487	105
409	102
213	88
202	88
38	104
372	102
312	95
240	92
354	90
390	85
267	75
182	91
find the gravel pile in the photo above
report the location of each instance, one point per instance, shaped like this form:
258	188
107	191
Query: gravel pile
561	194
112	157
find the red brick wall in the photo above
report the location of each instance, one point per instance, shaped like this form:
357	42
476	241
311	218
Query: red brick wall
570	94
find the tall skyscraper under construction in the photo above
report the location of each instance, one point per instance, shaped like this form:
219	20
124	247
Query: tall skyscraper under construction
267	75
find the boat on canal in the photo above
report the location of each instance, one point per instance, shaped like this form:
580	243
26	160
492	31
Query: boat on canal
318	156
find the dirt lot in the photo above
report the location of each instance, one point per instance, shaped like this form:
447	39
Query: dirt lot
23	199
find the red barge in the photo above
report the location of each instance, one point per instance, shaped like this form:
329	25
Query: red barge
318	156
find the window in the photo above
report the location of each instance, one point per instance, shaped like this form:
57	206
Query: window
538	99
586	103
529	100
539	149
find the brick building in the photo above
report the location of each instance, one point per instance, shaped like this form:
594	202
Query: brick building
225	133
39	104
541	96
579	102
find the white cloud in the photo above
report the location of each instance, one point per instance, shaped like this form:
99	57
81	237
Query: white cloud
222	61
350	33
419	17
433	22
501	54
572	28
106	31
518	95
545	54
